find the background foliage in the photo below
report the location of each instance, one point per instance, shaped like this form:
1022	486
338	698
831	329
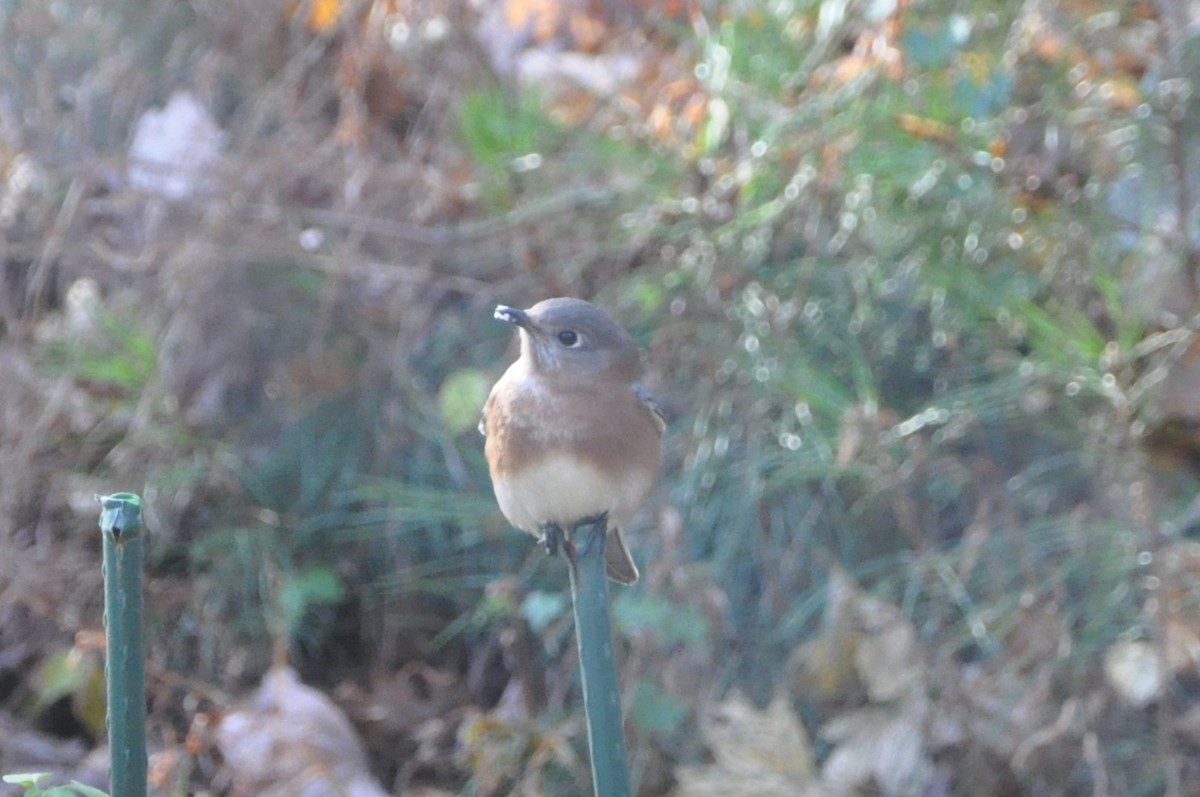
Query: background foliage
917	285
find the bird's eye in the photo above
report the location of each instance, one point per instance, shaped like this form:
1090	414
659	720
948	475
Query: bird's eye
568	338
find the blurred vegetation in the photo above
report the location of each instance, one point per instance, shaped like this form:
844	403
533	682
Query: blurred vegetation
917	285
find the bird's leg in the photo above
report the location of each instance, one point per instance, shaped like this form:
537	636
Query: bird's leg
553	538
599	528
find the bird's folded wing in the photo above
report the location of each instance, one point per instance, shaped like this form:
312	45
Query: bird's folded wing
660	420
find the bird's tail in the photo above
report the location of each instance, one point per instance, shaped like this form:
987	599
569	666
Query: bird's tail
618	561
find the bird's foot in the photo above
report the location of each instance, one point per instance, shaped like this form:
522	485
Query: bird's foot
553	538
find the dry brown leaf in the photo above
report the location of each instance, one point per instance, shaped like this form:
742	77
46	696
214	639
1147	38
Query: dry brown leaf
511	757
886	658
291	739
1175	605
322	14
759	753
587	31
677	109
823	667
319	15
1135	671
542	18
887	663
715	782
862	639
925	128
1120	93
744	739
881	746
869	641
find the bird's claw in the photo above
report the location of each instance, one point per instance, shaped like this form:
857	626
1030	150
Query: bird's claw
553	538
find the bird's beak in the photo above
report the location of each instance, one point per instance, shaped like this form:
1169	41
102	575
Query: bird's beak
513	316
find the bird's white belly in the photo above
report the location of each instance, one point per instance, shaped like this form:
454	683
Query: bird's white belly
563	490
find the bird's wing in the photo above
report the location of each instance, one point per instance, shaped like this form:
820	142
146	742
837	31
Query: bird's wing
660	420
482	427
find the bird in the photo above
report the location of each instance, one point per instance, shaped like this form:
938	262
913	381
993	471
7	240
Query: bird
572	438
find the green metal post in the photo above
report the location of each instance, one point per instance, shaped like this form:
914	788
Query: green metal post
598	668
121	527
